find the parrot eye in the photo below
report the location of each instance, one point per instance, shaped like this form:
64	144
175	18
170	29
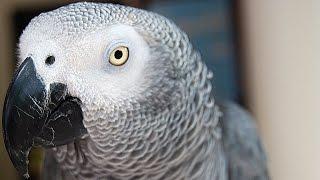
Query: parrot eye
119	56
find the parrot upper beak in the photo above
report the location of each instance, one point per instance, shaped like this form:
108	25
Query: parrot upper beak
34	116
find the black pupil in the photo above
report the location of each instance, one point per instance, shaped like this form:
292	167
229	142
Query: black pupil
50	60
118	54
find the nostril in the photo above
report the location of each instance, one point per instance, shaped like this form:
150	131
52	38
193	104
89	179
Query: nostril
50	60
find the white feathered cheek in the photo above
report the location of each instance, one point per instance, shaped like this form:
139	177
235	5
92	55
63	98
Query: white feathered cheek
121	56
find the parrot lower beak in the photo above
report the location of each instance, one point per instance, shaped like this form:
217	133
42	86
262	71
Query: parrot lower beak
34	116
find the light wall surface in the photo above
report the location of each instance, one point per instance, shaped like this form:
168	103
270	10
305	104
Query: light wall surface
282	54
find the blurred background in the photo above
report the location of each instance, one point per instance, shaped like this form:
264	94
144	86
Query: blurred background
264	55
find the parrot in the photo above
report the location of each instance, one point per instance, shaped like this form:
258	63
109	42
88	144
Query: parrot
115	92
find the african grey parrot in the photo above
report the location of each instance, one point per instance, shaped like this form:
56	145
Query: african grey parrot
114	92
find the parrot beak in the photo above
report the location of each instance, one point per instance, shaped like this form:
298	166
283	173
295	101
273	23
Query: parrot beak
34	116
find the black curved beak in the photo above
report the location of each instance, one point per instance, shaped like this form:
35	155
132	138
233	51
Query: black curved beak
35	116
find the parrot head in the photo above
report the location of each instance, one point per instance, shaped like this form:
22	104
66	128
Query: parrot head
105	73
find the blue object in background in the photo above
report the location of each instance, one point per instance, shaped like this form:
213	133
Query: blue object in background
209	26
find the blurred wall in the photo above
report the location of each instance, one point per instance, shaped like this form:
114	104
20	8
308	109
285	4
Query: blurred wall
281	49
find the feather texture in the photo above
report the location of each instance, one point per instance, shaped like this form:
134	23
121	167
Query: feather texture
245	156
165	126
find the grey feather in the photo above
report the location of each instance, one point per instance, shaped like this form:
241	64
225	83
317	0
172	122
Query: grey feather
243	149
171	130
52	169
